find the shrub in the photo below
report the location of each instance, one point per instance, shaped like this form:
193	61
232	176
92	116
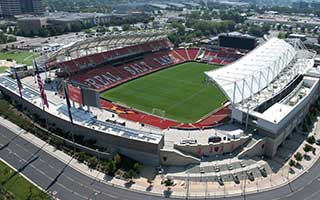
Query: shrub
110	167
137	167
292	163
307	148
168	182
311	140
298	156
117	159
93	162
82	157
129	175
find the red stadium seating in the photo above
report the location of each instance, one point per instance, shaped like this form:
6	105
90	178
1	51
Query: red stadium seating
103	78
216	118
220	57
100	58
183	53
193	53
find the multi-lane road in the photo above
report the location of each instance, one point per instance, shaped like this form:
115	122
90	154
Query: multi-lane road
66	183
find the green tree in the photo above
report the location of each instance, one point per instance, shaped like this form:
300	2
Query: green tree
281	35
292	163
93	162
168	182
82	157
137	167
110	167
126	27
180	27
307	148
129	175
298	156
117	159
311	140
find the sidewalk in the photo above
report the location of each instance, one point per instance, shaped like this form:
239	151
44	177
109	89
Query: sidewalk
182	188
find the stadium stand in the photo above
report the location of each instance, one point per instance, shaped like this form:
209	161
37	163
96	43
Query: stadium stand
74	66
183	53
214	118
102	78
193	53
102	71
220	56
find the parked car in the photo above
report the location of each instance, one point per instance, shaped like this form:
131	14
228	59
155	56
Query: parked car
250	175
263	171
318	142
220	181
236	179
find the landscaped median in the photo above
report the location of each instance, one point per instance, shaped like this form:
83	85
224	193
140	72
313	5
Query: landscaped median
13	186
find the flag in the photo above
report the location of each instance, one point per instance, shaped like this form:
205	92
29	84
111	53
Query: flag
41	86
66	95
20	87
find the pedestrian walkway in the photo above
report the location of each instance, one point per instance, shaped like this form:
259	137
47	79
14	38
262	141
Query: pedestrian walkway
206	185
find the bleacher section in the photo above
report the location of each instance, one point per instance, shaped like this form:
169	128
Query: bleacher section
123	70
213	119
220	56
102	78
74	66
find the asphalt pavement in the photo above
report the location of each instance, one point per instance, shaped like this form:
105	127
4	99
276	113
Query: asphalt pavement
67	183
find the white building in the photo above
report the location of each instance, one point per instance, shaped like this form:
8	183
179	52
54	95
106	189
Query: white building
270	89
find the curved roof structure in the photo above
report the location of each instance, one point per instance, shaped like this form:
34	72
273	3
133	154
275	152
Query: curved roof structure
106	42
255	71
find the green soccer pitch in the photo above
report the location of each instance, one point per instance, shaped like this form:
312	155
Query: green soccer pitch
180	91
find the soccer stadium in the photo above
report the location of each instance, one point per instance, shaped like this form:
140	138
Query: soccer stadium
135	94
147	81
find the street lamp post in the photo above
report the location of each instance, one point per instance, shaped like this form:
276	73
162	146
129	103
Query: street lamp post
245	184
188	185
206	192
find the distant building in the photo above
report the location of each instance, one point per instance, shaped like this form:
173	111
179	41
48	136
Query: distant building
10	7
315	5
32	6
31	25
17	7
300	5
237	41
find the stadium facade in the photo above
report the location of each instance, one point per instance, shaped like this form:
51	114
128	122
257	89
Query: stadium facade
270	89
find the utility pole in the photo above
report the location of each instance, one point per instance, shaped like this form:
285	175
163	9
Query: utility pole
187	195
245	184
206	192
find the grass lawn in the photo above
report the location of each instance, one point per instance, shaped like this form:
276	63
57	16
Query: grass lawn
3	69
180	91
21	57
18	187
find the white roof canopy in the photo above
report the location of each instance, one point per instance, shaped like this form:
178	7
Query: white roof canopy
255	71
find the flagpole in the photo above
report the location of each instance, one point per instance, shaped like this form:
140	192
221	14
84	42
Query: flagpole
66	95
18	83
34	70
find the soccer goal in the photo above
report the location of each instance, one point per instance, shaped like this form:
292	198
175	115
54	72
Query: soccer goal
158	112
